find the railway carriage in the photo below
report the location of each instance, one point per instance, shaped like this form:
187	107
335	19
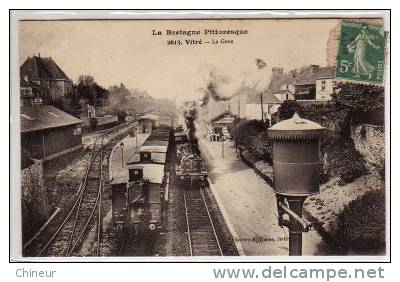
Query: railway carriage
139	195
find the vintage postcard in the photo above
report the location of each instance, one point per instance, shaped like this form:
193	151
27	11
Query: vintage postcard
159	138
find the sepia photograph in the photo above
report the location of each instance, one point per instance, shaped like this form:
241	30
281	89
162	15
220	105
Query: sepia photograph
203	138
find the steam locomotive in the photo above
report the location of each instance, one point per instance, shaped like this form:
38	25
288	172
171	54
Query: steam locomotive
140	193
189	165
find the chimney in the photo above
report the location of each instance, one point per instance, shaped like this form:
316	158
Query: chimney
314	68
277	71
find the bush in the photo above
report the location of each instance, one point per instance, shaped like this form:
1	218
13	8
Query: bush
121	114
361	225
288	108
262	146
327	115
362	102
247	130
253	136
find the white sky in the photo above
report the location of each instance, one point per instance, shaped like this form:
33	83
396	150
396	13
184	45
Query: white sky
125	51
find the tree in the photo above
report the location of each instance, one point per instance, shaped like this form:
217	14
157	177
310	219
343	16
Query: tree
119	101
288	108
88	89
365	103
246	131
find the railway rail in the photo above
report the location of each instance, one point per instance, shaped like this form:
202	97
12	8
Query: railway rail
136	246
202	236
77	222
70	231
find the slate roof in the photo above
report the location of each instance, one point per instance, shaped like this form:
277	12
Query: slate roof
244	91
149	117
44	117
307	75
42	68
281	91
268	98
221	115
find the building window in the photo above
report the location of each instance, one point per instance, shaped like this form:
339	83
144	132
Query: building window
323	85
269	109
145	157
37	101
27	117
78	131
26	91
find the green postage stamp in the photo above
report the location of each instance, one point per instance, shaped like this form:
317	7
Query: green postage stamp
361	53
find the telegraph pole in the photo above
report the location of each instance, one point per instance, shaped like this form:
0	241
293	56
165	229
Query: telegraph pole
222	146
262	107
235	136
137	132
236	121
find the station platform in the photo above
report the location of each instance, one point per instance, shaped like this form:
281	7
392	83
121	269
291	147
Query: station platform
248	205
117	165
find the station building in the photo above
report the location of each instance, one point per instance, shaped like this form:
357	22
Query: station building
47	132
147	122
222	123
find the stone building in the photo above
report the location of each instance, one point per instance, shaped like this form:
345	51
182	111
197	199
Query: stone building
43	82
147	123
314	83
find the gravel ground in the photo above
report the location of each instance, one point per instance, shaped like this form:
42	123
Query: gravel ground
173	240
225	237
62	178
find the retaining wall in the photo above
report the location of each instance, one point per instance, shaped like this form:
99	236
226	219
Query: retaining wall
369	140
35	204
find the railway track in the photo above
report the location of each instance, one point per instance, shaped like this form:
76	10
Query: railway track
69	230
86	207
202	237
136	246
